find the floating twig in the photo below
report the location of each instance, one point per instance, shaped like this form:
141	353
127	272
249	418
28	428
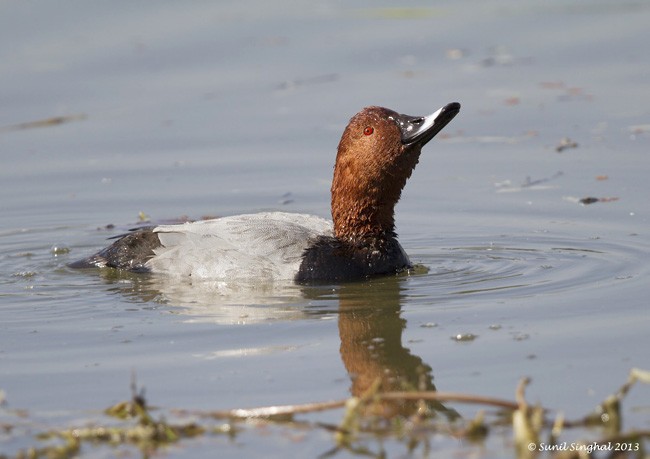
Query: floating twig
47	122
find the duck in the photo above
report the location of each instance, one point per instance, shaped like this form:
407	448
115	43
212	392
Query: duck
376	155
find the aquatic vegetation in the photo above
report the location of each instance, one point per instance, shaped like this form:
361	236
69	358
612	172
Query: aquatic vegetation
364	425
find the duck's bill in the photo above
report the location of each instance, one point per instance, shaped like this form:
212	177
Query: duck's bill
420	129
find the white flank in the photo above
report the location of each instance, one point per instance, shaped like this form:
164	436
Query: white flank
264	246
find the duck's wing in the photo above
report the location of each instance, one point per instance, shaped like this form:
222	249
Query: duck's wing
266	245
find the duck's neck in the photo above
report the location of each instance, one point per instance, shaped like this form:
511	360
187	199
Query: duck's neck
363	221
360	212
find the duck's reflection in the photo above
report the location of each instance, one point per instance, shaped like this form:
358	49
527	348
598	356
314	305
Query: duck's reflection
369	322
212	301
370	328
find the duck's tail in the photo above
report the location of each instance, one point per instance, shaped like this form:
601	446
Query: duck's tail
130	252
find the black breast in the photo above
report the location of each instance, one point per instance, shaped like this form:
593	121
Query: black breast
330	259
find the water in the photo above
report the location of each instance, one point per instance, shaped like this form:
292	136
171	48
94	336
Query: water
228	108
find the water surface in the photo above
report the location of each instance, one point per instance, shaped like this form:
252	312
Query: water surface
169	111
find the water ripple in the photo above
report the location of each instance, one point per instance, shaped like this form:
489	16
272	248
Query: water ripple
533	265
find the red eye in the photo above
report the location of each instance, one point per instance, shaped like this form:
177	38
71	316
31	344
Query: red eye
368	131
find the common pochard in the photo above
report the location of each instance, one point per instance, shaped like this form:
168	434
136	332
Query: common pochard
376	155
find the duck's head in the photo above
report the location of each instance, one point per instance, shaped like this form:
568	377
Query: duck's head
376	155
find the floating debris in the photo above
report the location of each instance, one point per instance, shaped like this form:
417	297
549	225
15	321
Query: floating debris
501	56
506	186
47	122
589	199
565	144
286	198
456	53
59	250
612	199
464	337
531	183
552	85
569	93
637	129
25	274
575	93
514	100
